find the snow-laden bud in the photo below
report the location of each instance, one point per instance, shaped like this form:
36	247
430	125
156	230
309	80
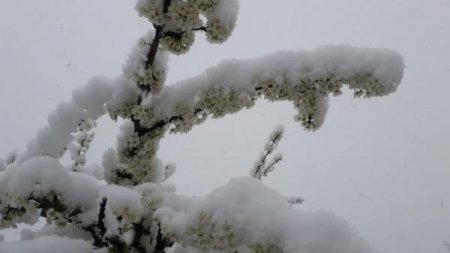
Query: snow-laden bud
152	10
152	77
183	15
81	144
114	170
135	161
178	43
220	101
15	209
311	106
123	98
137	69
216	32
221	16
177	15
206	6
127	140
367	87
123	202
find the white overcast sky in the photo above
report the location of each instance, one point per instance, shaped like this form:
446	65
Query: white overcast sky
381	164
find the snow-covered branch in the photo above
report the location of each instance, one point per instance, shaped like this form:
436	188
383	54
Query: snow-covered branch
175	24
86	105
302	77
305	78
262	168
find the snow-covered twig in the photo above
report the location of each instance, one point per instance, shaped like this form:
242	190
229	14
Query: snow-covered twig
81	144
262	168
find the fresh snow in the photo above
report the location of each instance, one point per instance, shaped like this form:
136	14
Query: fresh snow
126	203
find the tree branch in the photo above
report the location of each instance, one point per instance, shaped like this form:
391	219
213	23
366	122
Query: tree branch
101	217
159	33
161	242
98	230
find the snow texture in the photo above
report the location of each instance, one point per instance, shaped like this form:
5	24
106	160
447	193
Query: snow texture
44	178
339	62
87	104
244	213
93	96
247	213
